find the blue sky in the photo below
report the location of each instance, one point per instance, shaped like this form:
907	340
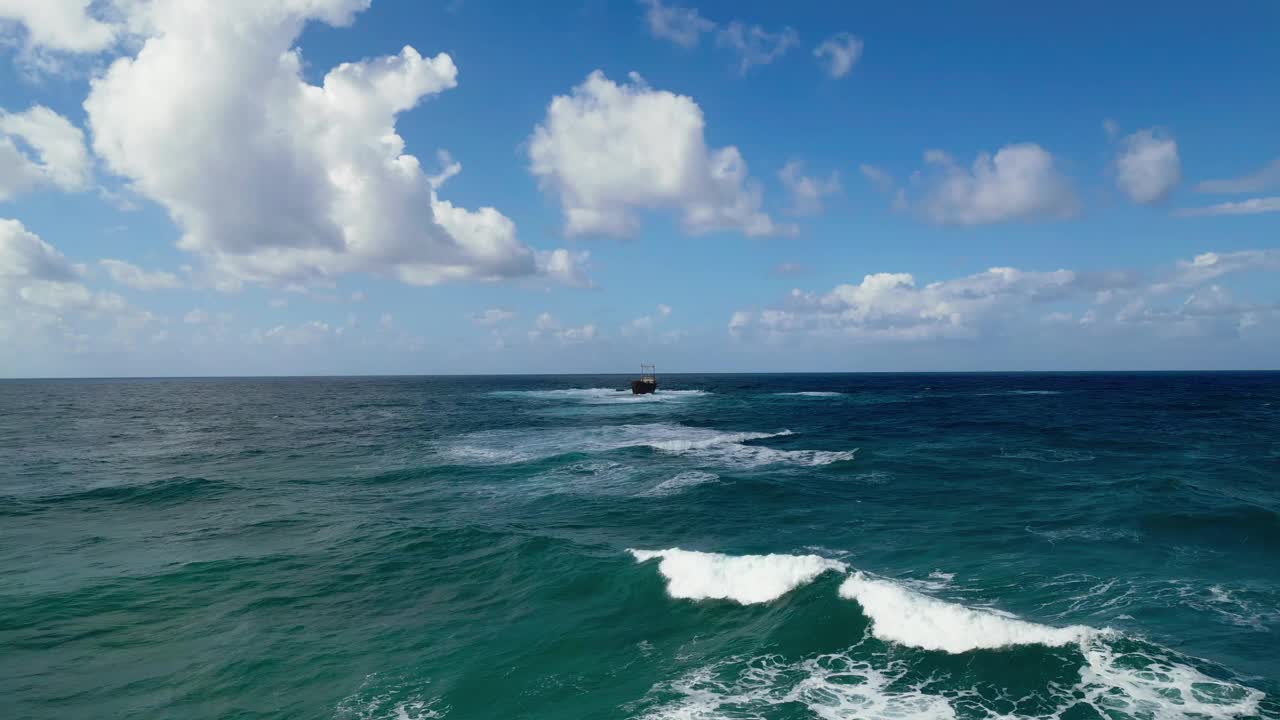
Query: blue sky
200	188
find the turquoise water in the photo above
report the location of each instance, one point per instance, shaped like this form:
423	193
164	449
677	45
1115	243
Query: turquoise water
1029	545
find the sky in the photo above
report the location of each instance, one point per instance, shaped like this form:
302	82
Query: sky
301	187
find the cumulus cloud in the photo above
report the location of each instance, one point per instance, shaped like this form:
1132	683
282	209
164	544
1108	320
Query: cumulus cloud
60	159
61	25
1020	182
886	306
682	26
1147	166
1252	206
807	192
838	54
609	151
547	327
276	181
42	298
139	279
754	45
1266	177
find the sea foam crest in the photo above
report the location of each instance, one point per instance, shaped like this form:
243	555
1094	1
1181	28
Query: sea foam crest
906	617
813	393
601	396
745	579
705	444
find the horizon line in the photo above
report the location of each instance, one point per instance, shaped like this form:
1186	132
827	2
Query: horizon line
1200	371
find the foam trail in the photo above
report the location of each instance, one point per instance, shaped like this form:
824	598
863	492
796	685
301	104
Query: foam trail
745	579
812	393
680	481
906	617
704	444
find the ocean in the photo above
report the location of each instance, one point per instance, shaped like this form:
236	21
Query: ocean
735	546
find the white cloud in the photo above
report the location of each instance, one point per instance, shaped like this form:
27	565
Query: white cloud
664	310
1267	177
310	333
62	25
609	150
492	316
137	278
1147	166
1021	182
1252	206
60	161
274	180
682	26
838	54
278	303
755	45
42	299
895	307
807	192
546	326
358	296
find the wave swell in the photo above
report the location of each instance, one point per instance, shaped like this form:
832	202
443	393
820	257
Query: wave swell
744	579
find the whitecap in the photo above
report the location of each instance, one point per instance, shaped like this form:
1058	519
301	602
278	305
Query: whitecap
601	396
707	445
813	393
906	617
745	579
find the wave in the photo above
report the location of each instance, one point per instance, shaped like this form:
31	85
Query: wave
601	396
1135	682
813	393
906	617
169	491
832	687
717	447
1118	676
745	579
1048	455
681	481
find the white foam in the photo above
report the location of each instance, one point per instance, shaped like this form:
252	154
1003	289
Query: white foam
745	579
906	617
813	393
680	481
601	396
705	444
1150	683
832	687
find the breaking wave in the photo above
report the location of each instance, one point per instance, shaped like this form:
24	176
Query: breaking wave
1114	675
903	616
601	396
744	579
813	393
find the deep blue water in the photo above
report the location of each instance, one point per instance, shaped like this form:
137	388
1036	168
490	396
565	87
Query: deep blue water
981	545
